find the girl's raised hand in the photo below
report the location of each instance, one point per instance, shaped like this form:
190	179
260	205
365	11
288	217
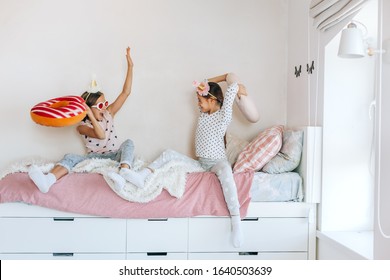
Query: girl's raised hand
241	90
128	57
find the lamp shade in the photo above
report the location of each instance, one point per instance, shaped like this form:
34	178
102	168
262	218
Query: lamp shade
351	42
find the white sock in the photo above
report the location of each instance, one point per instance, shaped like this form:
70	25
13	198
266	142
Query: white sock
119	181
136	178
237	235
42	181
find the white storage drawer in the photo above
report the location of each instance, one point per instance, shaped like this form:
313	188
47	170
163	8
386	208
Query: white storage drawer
247	256
63	256
157	235
157	256
260	235
62	235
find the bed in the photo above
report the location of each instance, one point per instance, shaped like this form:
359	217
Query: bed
82	218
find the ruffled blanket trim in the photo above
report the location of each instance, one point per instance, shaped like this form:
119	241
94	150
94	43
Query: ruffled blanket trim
171	176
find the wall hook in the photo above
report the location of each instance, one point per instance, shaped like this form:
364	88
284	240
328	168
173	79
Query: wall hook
310	69
298	71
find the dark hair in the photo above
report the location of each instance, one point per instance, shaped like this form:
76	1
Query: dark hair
90	99
216	91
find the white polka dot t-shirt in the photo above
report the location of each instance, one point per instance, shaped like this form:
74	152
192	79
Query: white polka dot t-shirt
211	129
110	143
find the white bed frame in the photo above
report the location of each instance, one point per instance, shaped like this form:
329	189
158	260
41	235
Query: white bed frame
273	230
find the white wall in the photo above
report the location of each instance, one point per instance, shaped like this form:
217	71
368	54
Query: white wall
51	48
298	56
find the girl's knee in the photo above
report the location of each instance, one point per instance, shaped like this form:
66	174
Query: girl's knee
128	142
169	151
170	154
72	157
222	167
66	156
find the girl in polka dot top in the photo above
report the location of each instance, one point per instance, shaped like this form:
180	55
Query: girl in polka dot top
99	136
215	116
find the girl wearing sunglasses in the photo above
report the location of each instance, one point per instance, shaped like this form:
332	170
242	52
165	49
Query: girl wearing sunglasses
99	136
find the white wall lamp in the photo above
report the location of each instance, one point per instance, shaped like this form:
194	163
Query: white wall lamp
353	44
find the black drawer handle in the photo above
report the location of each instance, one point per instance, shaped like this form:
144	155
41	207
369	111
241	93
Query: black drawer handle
63	219
157	254
248	253
62	254
250	219
157	220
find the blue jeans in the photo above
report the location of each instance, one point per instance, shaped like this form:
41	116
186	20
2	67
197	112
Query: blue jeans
124	155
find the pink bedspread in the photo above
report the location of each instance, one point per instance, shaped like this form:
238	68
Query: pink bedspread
89	194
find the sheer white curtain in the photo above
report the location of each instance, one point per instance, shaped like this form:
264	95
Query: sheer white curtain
328	13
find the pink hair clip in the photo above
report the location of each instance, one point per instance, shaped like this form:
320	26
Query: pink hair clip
202	88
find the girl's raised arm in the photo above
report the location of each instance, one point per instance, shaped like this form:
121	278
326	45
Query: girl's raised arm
95	131
120	100
218	79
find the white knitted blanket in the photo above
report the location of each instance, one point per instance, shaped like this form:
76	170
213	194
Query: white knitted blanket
171	176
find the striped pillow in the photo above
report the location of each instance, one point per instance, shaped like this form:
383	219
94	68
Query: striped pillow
261	150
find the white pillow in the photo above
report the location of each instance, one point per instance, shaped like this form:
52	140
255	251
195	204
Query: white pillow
234	146
289	155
